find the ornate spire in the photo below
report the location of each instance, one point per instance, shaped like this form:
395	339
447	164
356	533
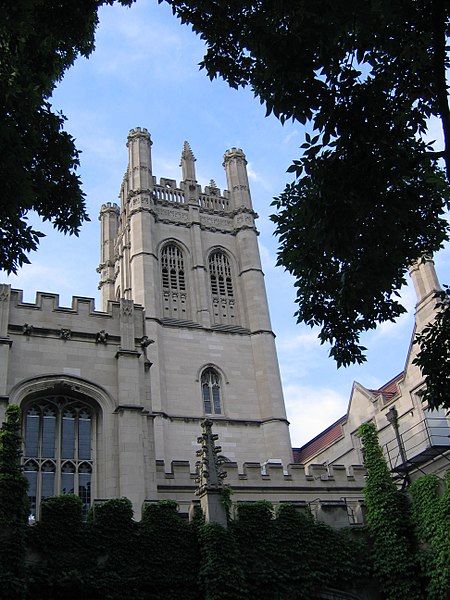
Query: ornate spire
187	163
210	475
187	153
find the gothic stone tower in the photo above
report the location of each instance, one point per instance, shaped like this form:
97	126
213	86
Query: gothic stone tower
190	257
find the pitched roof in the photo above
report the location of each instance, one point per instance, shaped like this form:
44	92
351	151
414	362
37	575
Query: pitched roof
321	441
335	431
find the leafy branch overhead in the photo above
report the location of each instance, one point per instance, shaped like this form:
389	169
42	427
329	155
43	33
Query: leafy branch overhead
40	40
370	191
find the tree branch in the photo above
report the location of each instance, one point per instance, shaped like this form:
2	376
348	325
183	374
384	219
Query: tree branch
438	16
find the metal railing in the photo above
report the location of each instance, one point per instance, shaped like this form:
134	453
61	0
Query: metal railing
422	441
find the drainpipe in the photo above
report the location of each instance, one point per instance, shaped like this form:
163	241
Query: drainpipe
392	417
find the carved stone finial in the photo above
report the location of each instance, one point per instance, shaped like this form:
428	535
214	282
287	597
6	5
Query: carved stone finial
210	474
187	153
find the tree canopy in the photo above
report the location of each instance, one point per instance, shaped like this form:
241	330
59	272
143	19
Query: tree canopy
39	40
370	191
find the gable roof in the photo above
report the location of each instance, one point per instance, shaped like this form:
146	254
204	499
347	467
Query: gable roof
336	431
321	441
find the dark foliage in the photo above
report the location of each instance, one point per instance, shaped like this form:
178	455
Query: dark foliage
433	355
14	507
369	194
40	39
395	551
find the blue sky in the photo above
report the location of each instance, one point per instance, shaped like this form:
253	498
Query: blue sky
144	73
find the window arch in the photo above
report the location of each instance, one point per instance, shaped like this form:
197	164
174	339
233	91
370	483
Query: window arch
58	453
173	282
211	392
222	291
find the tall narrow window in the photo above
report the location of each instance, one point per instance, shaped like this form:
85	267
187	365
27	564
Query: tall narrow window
222	292
58	456
173	282
210	383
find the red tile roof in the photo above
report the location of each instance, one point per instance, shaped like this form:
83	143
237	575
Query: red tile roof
335	431
389	389
321	441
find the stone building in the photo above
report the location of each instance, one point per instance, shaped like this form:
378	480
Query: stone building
414	439
113	399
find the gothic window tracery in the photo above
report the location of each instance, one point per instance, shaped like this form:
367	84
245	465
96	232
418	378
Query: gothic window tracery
58	454
223	299
210	383
173	282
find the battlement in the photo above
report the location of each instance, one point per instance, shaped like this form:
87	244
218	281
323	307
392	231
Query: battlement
234	153
297	477
49	301
46	317
109	207
139	132
209	198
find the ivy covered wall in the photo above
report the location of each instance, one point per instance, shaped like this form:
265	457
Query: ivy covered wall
403	554
282	556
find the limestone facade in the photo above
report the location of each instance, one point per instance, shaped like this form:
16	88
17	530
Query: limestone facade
415	440
113	399
184	332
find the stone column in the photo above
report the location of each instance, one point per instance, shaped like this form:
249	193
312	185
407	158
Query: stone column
140	253
426	284
5	340
210	477
134	478
109	222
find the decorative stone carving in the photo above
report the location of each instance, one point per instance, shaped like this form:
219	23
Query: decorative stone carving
101	337
27	329
219	223
65	334
210	475
172	214
146	341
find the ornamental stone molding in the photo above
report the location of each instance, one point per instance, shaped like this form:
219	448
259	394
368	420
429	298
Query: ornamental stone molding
66	384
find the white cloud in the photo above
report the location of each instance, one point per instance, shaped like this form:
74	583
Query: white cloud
404	323
311	410
305	340
291	136
256	177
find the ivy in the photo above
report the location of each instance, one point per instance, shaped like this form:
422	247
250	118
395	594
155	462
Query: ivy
390	525
222	575
14	507
254	531
171	548
114	538
264	554
431	511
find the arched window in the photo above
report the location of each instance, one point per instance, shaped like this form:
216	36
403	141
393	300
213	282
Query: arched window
58	455
173	282
210	383
222	292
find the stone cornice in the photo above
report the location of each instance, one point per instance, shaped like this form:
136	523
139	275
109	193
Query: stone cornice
130	407
225	420
47	332
128	353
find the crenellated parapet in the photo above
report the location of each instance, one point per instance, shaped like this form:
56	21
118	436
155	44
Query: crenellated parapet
293	477
46	318
333	494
